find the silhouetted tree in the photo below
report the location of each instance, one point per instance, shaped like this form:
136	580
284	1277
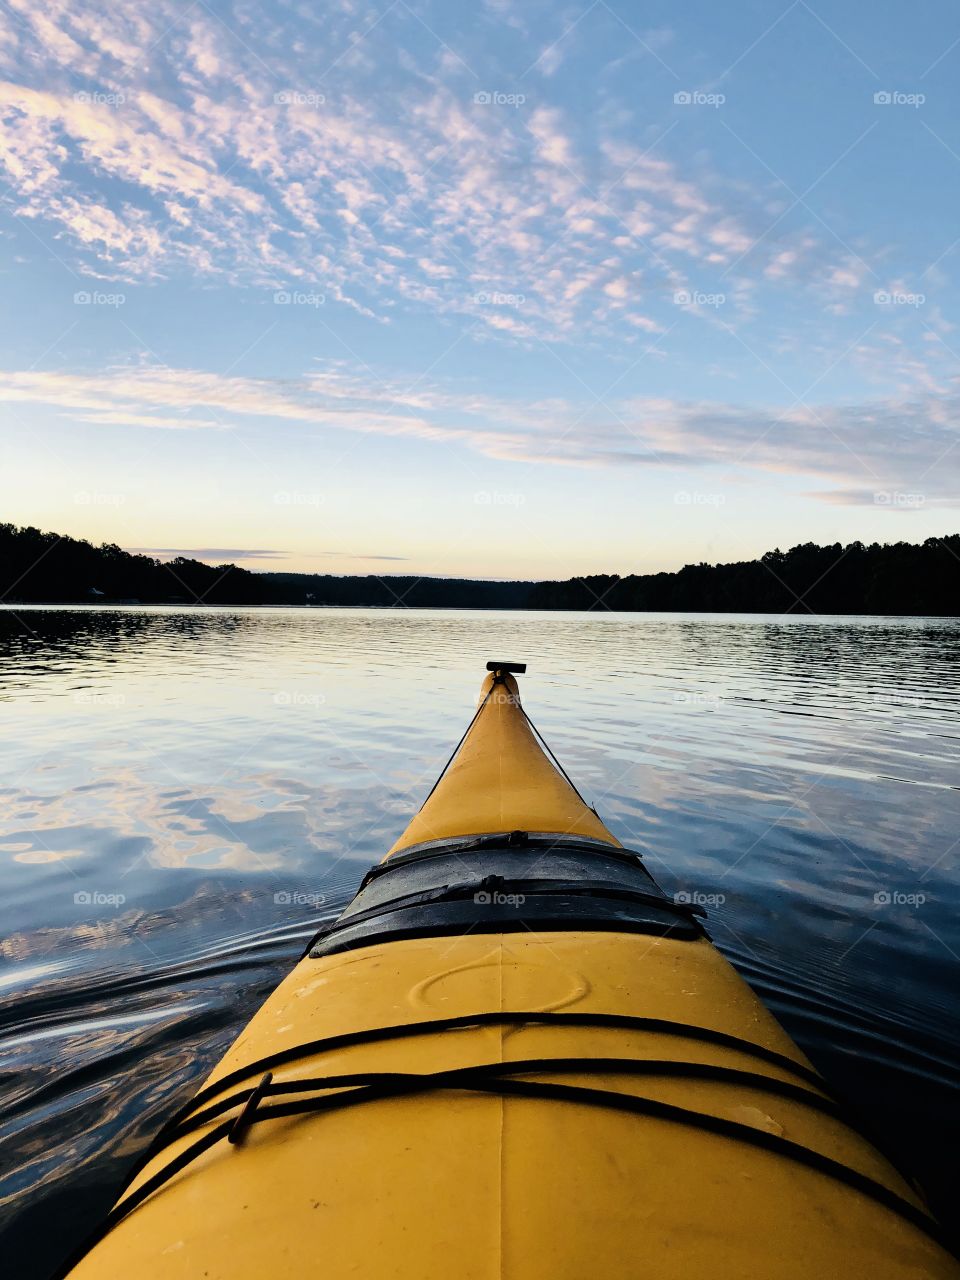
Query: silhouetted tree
895	578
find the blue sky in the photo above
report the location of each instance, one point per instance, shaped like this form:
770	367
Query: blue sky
494	289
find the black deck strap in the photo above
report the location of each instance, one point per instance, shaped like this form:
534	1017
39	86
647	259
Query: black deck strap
375	1035
498	679
678	930
667	1068
120	1211
549	750
614	1021
539	1091
238	1130
458	746
559	842
468	889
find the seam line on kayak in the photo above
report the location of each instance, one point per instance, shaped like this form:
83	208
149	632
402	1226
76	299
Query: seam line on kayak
617	1021
666	1067
535	1090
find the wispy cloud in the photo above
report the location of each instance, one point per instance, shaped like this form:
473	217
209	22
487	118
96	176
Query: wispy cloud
897	444
225	159
220	554
356	555
529	251
223	555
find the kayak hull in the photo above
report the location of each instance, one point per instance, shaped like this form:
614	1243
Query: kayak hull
452	1183
459	1079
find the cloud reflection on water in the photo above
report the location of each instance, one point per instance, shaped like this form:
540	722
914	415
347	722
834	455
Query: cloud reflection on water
192	790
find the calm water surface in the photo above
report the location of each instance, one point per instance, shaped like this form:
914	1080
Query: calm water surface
185	794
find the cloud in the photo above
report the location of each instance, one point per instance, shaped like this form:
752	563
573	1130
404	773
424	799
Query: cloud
907	444
149	144
903	501
618	288
220	554
357	555
550	59
132	418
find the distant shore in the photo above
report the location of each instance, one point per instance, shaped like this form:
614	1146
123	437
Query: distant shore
896	579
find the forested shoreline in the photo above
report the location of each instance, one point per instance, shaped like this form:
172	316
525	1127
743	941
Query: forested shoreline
889	578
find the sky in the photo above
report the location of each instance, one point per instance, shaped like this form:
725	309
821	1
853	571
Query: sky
483	289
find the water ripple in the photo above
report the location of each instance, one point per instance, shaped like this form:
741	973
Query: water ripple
188	793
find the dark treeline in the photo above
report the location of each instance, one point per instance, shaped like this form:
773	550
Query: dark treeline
402	591
894	578
37	567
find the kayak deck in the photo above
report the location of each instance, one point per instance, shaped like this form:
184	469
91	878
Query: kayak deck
500	779
509	1091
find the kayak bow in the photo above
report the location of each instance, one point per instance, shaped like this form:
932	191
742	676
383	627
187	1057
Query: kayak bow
513	1057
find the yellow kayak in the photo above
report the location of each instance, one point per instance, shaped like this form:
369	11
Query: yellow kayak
513	1057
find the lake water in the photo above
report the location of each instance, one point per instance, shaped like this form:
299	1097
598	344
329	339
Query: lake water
187	793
